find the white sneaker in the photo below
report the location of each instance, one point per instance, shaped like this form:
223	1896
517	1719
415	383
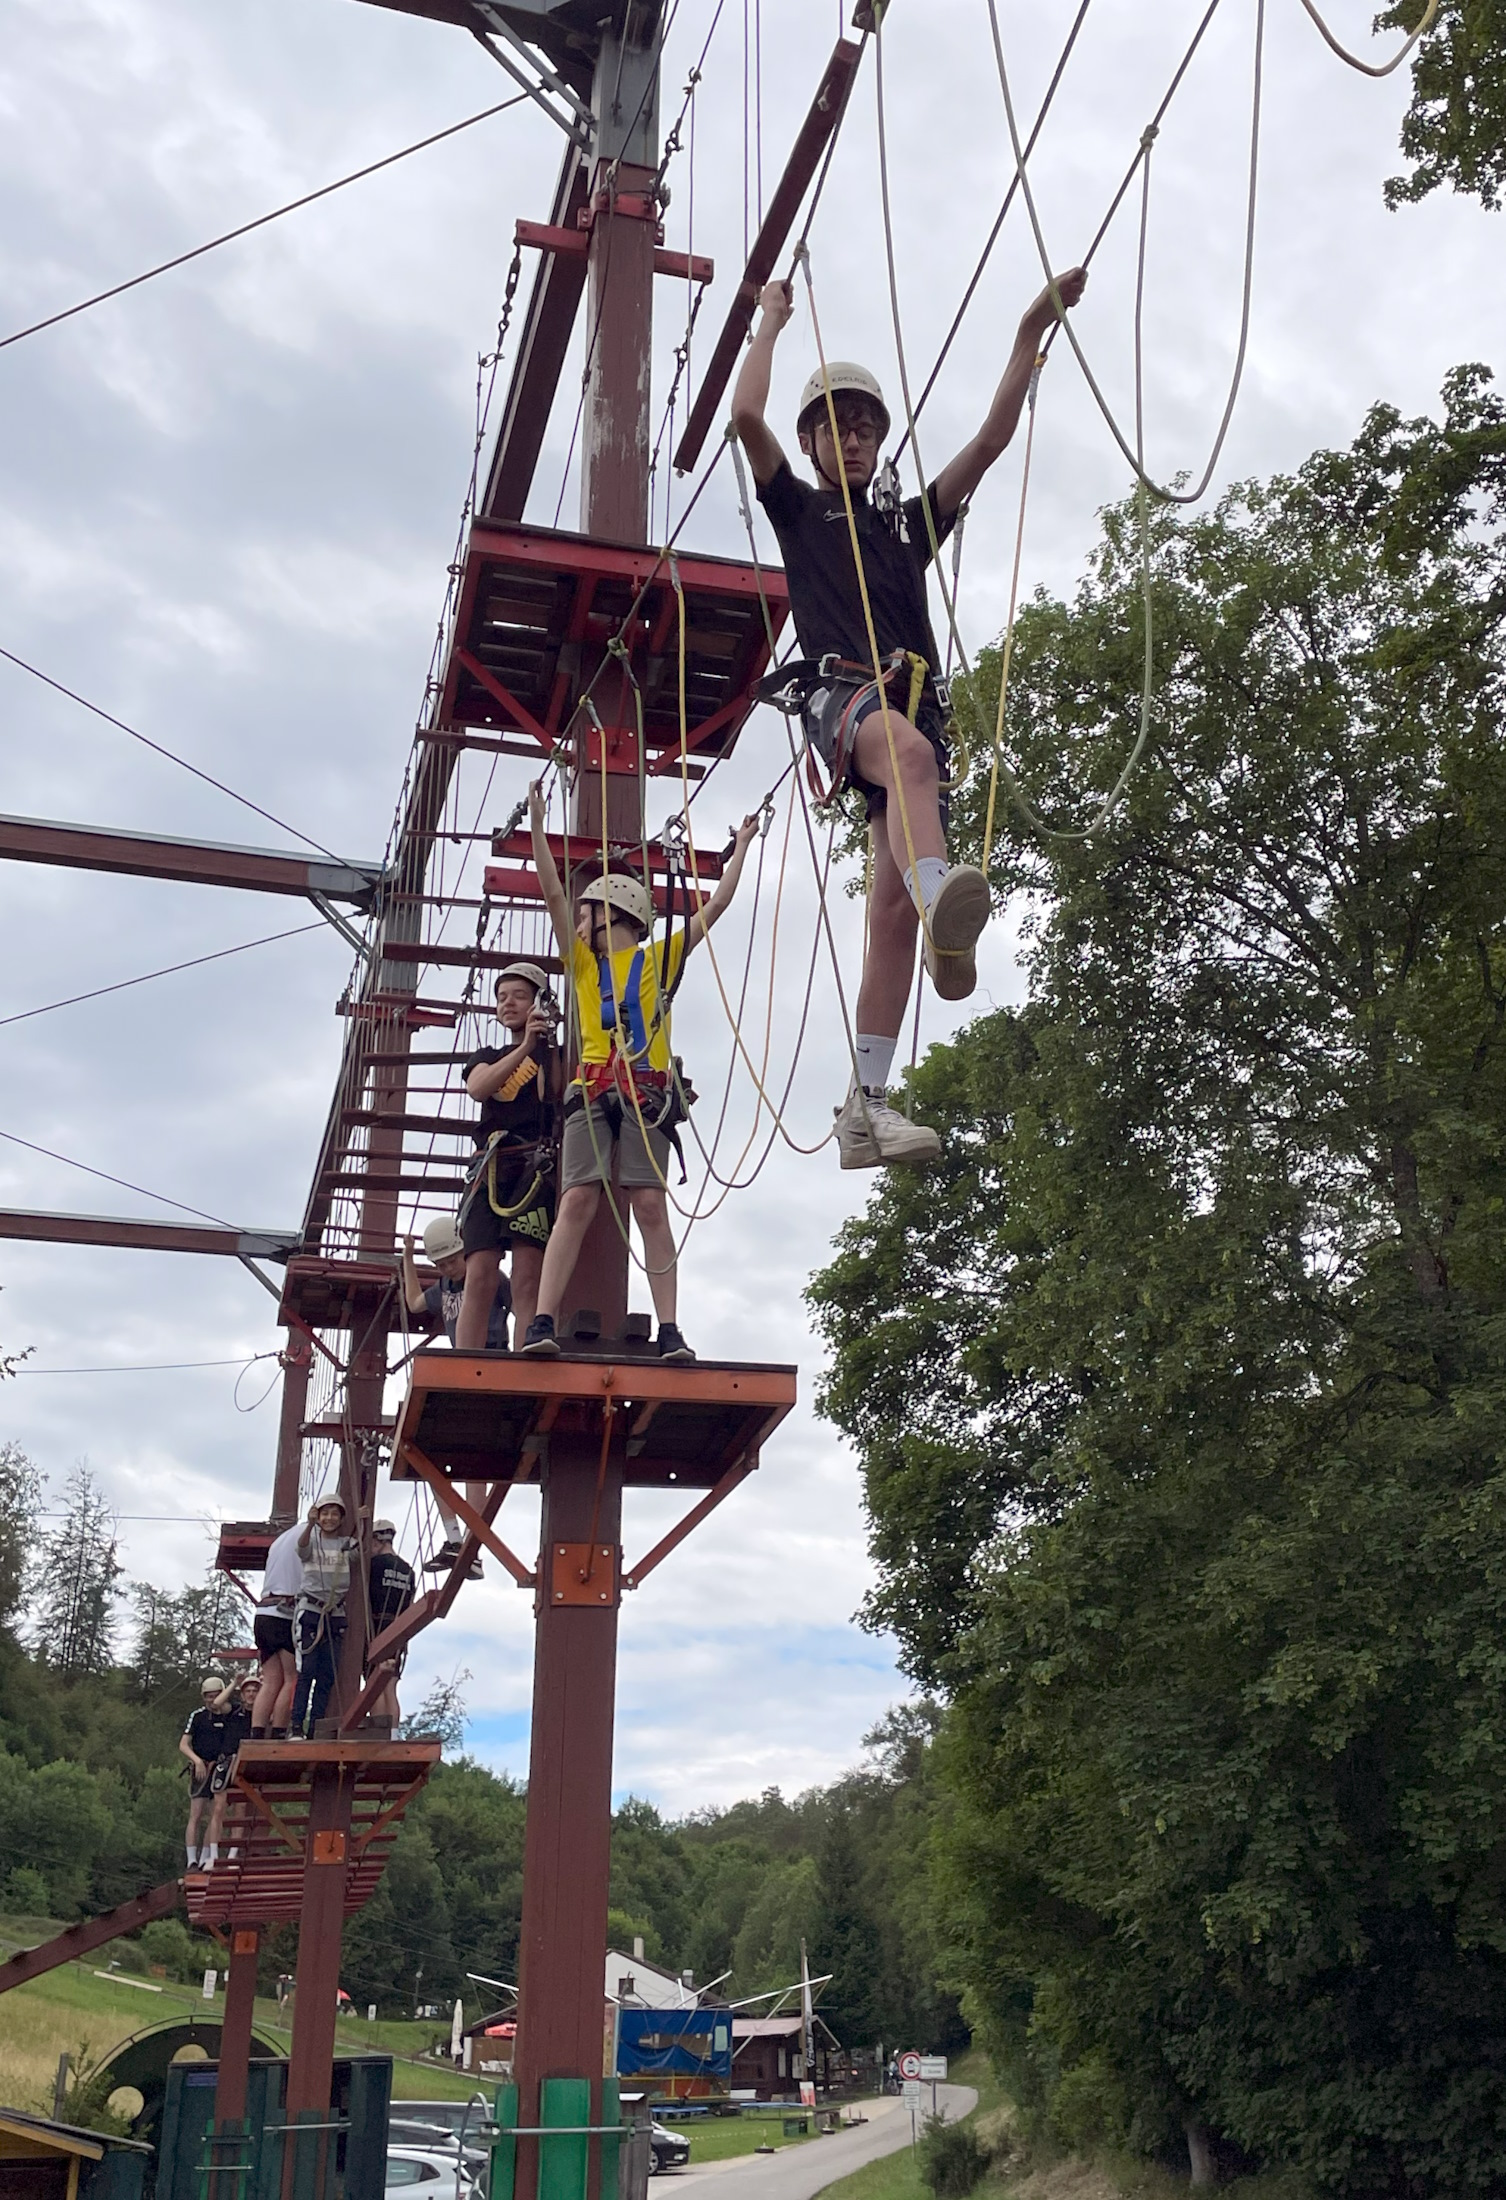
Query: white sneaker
870	1133
956	918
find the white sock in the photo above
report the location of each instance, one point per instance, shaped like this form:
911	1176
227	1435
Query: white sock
192	1854
932	869
211	1854
875	1054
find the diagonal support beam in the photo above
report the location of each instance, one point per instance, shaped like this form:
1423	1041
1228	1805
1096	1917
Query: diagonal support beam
195	862
94	1932
480	1528
697	1513
815	135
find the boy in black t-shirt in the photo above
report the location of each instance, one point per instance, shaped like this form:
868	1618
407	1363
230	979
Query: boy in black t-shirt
390	1582
896	755
202	1742
510	1199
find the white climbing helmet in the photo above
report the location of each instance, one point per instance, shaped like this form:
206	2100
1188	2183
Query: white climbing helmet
847	379
620	892
442	1239
530	973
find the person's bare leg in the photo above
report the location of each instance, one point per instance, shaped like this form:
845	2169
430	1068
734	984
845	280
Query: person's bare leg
192	1837
284	1711
913	765
889	965
482	1270
577	1210
525	1274
651	1211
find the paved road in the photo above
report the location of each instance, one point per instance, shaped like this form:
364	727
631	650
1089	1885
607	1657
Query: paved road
798	2173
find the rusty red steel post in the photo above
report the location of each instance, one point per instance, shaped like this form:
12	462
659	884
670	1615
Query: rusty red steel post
320	1921
227	2173
567	1851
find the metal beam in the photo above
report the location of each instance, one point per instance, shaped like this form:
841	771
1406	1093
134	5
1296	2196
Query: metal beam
543	341
195	862
805	155
146	1237
80	1940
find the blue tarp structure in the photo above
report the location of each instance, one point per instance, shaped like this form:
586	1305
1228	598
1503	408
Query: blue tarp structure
675	2043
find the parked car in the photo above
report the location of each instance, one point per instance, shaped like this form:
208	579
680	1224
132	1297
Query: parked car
668	2149
425	2173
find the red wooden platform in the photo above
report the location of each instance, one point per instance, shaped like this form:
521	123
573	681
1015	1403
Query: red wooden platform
538	608
484	1416
266	1823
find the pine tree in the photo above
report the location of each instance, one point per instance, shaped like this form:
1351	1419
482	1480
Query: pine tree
20	1504
78	1582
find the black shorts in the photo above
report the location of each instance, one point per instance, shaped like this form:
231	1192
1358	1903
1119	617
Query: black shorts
825	709
271	1632
482	1229
198	1789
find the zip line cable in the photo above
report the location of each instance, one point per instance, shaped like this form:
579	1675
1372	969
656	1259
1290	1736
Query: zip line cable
171	970
182	259
151	1367
104	1176
156	746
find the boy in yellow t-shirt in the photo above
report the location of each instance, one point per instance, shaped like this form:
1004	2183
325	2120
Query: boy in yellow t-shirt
622	1084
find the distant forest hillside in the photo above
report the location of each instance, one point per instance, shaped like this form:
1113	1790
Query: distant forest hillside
97	1676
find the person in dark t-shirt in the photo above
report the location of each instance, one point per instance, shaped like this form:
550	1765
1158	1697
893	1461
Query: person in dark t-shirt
203	1743
390	1583
510	1198
881	726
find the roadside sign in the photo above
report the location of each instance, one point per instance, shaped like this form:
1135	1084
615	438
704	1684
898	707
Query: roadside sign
909	2064
912	2091
932	2067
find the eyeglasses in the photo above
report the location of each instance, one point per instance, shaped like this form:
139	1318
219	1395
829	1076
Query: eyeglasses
866	430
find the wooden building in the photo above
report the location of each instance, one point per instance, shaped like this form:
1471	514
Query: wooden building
768	2060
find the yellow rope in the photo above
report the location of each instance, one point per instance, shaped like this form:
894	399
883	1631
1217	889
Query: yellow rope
1014	597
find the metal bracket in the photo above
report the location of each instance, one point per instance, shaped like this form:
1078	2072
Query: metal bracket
583	1573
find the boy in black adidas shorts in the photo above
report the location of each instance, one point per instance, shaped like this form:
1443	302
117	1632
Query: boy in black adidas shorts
510	1199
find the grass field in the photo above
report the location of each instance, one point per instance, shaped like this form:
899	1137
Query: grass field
72	2009
717	2138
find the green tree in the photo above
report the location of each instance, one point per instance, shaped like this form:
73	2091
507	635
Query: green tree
180	1633
20	1510
78	1583
1177	1386
1454	131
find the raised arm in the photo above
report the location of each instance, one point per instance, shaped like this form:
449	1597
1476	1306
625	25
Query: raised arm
413	1293
961	477
750	398
549	878
726	886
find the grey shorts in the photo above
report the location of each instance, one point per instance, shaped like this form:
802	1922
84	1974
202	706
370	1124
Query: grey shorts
839	707
592	1136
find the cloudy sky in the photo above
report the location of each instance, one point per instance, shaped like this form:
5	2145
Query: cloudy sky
227	502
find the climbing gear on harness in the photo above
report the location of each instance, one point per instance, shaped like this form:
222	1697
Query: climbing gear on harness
530	973
871	1134
628	895
482	1175
442	1239
845	378
801	687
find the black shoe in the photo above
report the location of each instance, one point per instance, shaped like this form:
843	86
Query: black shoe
541	1341
444	1558
672	1346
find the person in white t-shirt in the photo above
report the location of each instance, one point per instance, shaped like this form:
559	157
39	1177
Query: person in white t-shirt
272	1629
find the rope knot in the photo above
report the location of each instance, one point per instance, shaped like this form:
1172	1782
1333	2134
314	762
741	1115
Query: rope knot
1149	135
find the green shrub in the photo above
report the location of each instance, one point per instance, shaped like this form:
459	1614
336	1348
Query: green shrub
27	1893
1088	2107
128	1955
952	2158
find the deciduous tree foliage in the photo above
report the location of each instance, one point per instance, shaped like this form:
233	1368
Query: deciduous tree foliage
1454	132
1180	1386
